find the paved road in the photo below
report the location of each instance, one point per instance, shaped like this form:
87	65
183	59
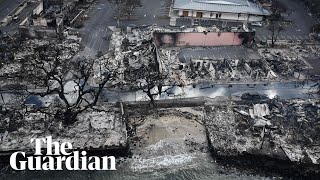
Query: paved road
284	91
6	6
296	30
95	28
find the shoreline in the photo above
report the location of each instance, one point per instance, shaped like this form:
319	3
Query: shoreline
201	117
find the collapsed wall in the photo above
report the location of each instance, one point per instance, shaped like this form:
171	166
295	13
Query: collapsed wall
172	39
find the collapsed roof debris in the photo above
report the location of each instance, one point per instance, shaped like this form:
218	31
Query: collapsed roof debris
45	18
226	70
131	48
286	63
14	56
274	128
103	128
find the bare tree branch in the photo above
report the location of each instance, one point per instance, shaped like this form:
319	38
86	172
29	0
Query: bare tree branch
50	73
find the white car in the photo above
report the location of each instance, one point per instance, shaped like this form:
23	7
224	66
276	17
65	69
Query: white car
256	24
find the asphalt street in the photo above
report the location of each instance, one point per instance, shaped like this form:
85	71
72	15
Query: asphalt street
95	28
6	6
12	28
296	30
284	91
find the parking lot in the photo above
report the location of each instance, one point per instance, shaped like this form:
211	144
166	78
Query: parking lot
291	31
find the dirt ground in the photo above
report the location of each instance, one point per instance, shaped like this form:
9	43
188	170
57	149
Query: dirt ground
177	130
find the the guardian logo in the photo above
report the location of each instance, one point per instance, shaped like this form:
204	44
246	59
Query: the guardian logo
59	156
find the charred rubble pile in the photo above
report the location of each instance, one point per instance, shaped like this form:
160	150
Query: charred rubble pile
133	48
101	128
8	46
221	70
18	56
272	65
169	62
310	53
131	53
287	63
140	52
49	18
170	129
228	70
283	133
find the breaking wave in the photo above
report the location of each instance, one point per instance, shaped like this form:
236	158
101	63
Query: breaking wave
160	162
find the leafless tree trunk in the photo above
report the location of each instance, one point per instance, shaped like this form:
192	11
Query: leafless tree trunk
49	72
277	9
148	79
123	8
275	29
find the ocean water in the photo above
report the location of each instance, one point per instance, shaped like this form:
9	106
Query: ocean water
169	158
193	166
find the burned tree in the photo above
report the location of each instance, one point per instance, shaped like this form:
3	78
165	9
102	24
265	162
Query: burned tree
152	83
69	81
131	5
118	6
124	8
149	80
275	28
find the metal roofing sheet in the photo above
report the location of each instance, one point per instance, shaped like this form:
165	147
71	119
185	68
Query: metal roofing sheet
231	6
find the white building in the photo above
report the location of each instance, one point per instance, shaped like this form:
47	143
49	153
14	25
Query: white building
223	10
